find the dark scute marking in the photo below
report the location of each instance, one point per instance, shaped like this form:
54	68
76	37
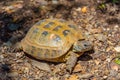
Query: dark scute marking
65	32
35	30
72	26
39	22
53	53
44	33
32	49
46	53
40	53
27	49
57	38
49	24
57	28
43	36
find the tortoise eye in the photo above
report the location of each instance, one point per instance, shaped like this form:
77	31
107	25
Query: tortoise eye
66	32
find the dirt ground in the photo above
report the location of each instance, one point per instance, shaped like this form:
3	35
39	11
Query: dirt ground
98	19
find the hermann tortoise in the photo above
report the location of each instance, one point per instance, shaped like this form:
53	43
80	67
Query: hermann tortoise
55	40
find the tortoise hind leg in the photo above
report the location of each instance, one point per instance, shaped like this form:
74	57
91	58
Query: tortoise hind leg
71	62
13	43
18	46
13	40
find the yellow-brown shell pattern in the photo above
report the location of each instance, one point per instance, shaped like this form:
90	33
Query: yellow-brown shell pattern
49	39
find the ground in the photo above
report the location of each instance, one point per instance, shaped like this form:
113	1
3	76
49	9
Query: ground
98	19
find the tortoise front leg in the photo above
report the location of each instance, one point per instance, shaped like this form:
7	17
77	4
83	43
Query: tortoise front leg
71	62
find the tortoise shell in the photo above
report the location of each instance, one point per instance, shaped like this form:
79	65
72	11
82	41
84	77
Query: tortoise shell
51	39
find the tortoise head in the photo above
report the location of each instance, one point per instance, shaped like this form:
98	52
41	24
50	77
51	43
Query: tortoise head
82	46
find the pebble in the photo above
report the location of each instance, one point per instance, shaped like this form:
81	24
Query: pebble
78	9
19	61
13	74
13	7
105	77
54	78
26	70
100	37
118	76
87	75
55	2
1	57
98	30
41	65
117	48
113	72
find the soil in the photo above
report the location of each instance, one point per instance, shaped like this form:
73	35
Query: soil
98	19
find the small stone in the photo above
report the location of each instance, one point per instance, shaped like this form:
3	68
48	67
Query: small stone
41	65
118	76
113	72
19	55
58	15
26	70
19	61
13	74
78	9
87	75
117	48
28	65
100	37
108	60
105	77
1	57
74	14
54	78
13	7
55	2
98	30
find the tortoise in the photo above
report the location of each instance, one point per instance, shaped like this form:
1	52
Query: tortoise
55	40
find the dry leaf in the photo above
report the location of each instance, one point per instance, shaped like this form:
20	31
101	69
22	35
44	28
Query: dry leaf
84	9
24	78
97	62
72	77
78	68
